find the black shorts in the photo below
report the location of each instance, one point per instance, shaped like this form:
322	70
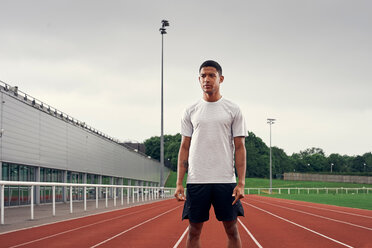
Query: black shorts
200	197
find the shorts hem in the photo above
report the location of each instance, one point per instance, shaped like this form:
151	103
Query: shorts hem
194	221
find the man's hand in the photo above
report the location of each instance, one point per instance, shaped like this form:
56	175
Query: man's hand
180	193
238	193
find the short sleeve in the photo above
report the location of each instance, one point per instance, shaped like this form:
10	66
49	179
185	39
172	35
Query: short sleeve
186	125
238	126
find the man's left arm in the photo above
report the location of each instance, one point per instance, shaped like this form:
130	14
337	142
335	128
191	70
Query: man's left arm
240	165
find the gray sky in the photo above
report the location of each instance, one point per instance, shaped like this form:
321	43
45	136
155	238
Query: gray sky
305	63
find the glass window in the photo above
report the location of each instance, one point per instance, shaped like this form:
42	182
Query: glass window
60	176
23	173
125	181
92	179
49	175
17	195
42	175
75	177
14	172
105	180
54	175
5	171
69	176
33	174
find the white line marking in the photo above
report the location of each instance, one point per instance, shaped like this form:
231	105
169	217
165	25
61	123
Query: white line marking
308	229
332	210
181	238
133	227
80	217
250	234
81	227
319	216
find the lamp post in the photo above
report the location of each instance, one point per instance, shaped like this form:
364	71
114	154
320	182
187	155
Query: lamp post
331	166
270	122
364	167
164	23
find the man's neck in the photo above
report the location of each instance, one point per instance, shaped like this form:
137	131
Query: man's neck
212	97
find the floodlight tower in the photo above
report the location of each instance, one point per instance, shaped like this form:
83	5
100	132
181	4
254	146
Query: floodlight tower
270	121
164	23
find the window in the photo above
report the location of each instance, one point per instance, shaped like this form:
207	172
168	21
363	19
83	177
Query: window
13	171
5	172
17	195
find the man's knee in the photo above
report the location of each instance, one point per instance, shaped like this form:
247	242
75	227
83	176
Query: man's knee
231	229
195	229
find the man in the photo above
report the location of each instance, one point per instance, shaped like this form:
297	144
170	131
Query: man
212	130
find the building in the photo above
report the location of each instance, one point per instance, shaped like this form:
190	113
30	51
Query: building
40	143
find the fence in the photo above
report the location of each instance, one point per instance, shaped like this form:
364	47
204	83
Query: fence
133	193
327	178
307	190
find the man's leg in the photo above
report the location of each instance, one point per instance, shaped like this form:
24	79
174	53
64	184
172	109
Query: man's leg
193	238
231	229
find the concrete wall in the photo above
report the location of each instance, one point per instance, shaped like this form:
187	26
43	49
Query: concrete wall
32	136
327	178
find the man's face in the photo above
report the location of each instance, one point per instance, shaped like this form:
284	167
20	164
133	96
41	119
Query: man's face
210	80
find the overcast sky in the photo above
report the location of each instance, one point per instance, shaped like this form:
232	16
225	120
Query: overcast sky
306	63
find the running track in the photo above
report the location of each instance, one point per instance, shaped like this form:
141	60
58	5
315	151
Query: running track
268	222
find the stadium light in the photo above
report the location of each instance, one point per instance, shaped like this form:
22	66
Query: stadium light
164	23
270	121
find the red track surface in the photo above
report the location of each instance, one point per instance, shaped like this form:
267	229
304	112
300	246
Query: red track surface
271	222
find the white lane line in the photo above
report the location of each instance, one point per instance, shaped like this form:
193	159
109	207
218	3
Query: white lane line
308	229
81	227
331	210
181	238
319	216
133	227
250	234
81	217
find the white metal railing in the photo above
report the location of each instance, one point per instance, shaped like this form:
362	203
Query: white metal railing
145	192
301	190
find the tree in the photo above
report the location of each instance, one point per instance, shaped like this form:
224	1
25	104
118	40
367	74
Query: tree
368	161
310	160
312	151
299	163
281	162
258	157
357	164
171	146
340	162
153	147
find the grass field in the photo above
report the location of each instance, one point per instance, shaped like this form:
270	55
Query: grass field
172	179
363	201
264	183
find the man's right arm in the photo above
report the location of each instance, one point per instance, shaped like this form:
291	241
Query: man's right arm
182	166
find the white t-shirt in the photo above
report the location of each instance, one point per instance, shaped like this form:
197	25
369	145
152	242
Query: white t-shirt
212	127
